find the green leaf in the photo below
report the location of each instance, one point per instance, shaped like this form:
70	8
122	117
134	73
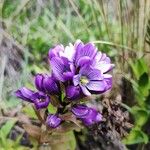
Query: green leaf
28	110
136	136
139	67
72	141
140	115
147	102
52	109
144	84
6	128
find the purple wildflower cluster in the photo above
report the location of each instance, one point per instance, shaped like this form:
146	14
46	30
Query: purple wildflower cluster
78	71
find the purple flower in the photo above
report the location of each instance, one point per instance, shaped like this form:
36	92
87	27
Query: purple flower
92	117
78	71
39	99
89	80
73	92
51	85
86	114
25	94
46	84
62	69
53	120
80	111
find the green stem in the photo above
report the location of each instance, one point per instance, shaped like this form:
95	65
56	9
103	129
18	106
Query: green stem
114	45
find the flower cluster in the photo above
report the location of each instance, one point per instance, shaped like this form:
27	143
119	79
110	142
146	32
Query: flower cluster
78	71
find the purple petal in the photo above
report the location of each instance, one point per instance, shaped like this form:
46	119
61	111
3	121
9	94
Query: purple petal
78	44
39	82
88	115
55	51
89	50
105	58
86	50
92	74
57	66
72	92
76	80
67	75
108	81
102	62
98	56
104	67
96	85
80	111
85	90
42	103
98	117
69	52
72	68
108	84
50	85
53	121
84	60
78	47
25	94
92	117
66	63
102	57
38	95
61	68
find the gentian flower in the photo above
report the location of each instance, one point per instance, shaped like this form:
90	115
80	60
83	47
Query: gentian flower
25	94
53	120
51	86
78	71
39	99
86	114
73	92
46	84
89	80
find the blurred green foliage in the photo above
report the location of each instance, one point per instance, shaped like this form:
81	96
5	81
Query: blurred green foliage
141	111
8	144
